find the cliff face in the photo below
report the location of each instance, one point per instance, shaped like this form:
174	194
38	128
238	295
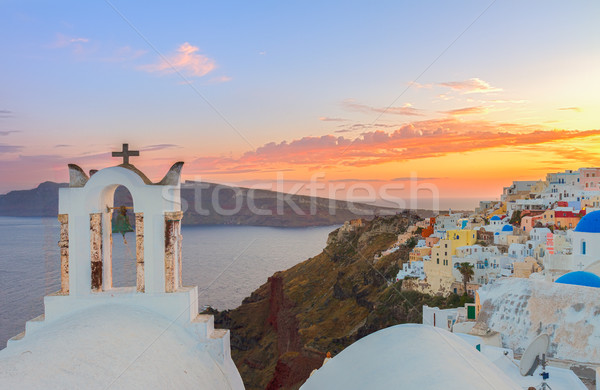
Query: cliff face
285	328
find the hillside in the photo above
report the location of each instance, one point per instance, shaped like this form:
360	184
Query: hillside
200	202
285	328
41	201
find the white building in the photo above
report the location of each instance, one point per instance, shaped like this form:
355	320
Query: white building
411	356
443	223
412	269
517	187
517	251
526	204
415	356
586	242
563	186
95	336
485	260
585	255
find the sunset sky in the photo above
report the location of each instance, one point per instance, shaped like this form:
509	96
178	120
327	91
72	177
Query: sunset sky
467	96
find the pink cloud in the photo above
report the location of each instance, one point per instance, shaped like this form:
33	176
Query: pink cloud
221	79
22	171
328	119
474	85
64	41
185	59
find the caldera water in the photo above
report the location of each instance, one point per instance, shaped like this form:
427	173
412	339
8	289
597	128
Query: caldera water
227	263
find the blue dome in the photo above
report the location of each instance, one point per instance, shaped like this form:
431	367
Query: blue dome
495	218
580	278
507	228
590	223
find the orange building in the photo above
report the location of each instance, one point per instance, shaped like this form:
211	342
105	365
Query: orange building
428	231
567	219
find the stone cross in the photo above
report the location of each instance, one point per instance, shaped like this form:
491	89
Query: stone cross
125	153
580	265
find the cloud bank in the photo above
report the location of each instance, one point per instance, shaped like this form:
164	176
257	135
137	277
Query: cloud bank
418	140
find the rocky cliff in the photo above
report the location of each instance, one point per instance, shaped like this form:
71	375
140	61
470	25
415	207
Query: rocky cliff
284	329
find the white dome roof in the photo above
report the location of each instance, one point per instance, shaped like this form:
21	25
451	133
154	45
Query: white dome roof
410	356
116	347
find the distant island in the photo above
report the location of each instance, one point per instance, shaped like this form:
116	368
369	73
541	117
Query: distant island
242	206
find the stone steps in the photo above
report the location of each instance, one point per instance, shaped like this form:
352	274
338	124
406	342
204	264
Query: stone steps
215	341
30	327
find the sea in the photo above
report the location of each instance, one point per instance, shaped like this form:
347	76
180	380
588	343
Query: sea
227	263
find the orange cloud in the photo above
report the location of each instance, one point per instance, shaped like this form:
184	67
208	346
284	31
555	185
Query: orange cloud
576	109
407	109
467	111
186	59
473	85
417	140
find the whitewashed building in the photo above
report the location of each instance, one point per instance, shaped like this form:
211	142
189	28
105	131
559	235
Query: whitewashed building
96	336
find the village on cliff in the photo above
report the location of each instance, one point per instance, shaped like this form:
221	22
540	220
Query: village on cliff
531	261
544	227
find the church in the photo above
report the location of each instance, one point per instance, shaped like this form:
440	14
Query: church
583	255
96	336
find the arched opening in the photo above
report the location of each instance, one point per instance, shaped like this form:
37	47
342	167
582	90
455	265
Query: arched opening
124	253
583	248
123	230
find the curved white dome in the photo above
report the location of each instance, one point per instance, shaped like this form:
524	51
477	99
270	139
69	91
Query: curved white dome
116	347
410	356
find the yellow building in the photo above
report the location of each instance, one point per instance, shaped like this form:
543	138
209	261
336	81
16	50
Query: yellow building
516	239
547	218
499	211
525	268
593	202
538	187
438	269
418	253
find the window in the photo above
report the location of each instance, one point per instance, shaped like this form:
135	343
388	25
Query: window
583	247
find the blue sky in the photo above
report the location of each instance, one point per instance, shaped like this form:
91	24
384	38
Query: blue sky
78	79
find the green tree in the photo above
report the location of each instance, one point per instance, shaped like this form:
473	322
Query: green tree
466	270
411	243
515	218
